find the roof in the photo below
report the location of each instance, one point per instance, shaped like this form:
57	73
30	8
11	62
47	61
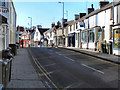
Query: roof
49	30
99	10
42	30
70	22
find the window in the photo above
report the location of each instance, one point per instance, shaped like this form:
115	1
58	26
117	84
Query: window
50	34
85	36
70	28
111	14
76	35
97	20
76	26
118	14
110	30
117	39
91	35
100	34
36	33
103	33
3	3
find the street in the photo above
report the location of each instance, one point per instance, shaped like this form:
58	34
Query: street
61	68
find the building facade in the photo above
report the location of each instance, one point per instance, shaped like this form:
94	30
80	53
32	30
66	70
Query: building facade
98	30
7	24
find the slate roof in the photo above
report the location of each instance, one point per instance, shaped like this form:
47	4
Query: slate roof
70	22
42	30
99	10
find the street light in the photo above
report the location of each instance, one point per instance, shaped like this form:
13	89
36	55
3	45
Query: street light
31	21
62	19
63	15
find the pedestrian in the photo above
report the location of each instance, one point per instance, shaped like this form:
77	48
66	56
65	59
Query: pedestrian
22	43
52	44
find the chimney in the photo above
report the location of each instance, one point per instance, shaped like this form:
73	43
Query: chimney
89	10
76	17
52	25
81	15
103	3
58	23
65	20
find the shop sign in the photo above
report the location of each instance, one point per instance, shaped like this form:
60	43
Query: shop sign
4	11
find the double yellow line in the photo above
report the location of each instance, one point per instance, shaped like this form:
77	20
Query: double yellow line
42	70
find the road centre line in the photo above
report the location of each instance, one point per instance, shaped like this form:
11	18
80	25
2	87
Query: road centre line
69	58
65	56
93	69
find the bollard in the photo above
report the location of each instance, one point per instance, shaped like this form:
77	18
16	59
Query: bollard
1	87
5	72
14	49
1	75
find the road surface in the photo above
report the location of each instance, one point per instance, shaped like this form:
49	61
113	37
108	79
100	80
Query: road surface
61	68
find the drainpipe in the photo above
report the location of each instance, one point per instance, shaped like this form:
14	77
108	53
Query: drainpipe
113	21
5	38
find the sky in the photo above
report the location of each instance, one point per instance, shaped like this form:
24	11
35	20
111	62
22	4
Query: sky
46	12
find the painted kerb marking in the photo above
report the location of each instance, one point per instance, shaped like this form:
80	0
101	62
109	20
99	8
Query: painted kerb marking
39	66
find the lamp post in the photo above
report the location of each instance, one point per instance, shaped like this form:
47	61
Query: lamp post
62	21
30	44
31	21
63	15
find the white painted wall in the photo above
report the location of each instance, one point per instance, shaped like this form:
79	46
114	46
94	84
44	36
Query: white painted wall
37	38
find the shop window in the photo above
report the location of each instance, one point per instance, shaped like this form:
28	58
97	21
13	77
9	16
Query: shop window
85	36
110	30
100	34
82	36
117	39
91	36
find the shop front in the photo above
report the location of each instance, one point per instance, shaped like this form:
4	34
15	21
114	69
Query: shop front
71	40
4	33
84	39
116	41
25	43
95	37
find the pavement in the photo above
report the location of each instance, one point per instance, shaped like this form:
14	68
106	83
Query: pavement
108	57
23	72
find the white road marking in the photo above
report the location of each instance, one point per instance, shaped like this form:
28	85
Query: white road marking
58	53
64	56
69	58
93	68
50	64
